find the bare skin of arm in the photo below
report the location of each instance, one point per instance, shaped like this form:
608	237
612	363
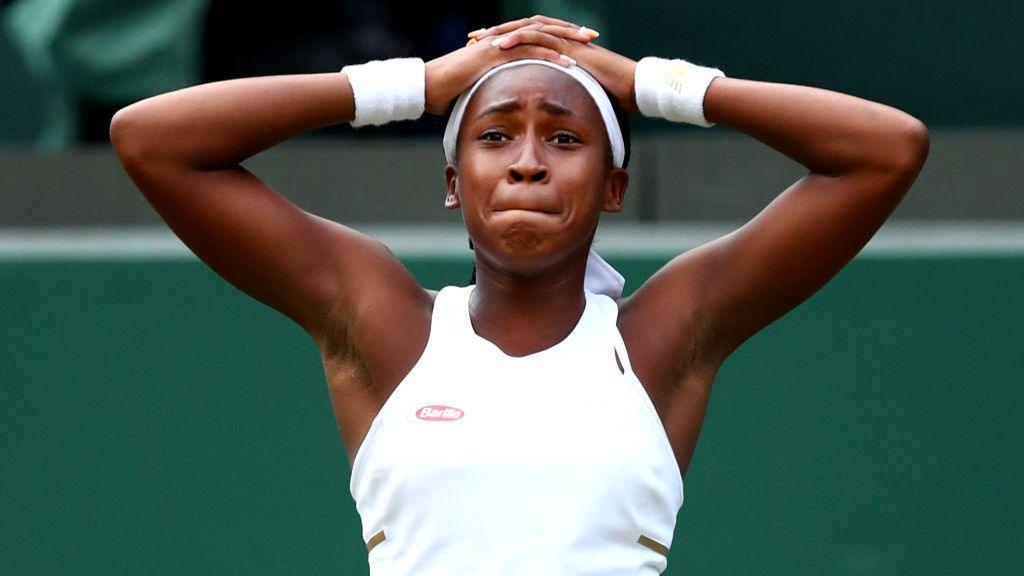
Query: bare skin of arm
368	316
681	325
862	157
183	150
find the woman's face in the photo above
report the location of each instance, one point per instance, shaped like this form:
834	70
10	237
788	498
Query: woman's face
534	169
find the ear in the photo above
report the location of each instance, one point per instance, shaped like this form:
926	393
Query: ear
451	180
615	191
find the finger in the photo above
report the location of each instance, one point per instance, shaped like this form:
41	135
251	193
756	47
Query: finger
533	21
534	51
588	33
549	20
536	21
568	32
535	37
500	29
576	34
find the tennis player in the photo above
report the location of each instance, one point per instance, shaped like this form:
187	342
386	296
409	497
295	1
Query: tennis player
536	421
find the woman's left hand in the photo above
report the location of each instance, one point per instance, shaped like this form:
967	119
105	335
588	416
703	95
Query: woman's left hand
613	71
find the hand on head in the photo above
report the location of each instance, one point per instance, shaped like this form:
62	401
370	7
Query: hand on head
541	37
544	24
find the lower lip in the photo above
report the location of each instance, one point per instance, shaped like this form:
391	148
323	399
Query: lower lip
521	211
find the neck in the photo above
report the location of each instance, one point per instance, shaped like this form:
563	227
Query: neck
521	314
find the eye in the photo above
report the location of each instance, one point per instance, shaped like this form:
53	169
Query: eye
565	138
493	136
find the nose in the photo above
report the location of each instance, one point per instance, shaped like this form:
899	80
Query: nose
529	166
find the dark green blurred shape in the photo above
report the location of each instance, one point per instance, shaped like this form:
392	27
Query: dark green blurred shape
948	63
88	53
156	421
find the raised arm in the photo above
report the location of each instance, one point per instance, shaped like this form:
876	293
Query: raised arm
183	150
862	157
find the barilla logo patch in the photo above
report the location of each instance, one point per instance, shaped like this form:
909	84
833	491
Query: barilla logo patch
438	413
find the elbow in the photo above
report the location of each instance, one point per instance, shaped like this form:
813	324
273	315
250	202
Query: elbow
910	147
133	136
124	135
902	157
918	143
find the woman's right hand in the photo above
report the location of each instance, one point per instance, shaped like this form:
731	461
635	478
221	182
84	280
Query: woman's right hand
455	72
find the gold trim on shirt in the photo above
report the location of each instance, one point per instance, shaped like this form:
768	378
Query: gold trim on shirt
653	545
374	540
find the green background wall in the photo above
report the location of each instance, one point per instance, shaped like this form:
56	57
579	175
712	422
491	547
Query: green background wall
946	62
943	61
155	421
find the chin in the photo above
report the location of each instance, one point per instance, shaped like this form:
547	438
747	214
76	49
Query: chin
522	238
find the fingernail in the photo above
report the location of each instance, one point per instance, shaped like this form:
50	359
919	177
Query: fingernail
499	41
471	42
588	32
476	32
568	59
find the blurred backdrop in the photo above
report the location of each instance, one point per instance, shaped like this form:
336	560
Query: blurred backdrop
154	420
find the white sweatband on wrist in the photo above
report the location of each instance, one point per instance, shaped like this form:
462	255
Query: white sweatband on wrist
673	89
387	90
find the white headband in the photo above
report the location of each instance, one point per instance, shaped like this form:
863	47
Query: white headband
597	93
600	277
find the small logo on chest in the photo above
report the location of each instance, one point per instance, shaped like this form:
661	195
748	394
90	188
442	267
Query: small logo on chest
439	413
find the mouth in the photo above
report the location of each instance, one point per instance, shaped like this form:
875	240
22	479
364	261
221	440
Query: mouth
525	214
526	210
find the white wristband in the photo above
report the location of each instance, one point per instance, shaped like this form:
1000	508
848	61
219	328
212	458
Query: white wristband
673	89
387	90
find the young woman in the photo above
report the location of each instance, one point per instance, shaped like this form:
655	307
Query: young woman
540	426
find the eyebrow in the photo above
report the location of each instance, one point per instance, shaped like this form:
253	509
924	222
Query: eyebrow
513	105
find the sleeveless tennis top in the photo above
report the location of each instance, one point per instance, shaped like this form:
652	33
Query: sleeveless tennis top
551	463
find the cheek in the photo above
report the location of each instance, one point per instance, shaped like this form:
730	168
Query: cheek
587	176
475	184
478	176
476	166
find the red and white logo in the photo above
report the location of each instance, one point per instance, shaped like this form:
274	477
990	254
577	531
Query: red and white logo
439	413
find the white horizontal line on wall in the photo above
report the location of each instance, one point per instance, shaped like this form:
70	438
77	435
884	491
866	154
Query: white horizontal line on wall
659	240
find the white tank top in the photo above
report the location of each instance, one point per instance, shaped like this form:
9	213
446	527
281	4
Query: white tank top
484	463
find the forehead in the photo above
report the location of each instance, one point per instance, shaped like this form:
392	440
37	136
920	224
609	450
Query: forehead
534	81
